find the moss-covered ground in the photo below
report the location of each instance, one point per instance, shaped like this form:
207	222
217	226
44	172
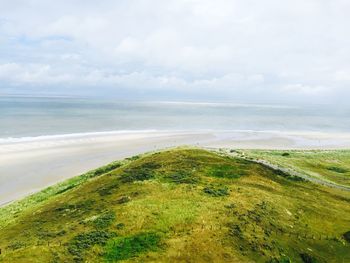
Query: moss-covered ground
180	205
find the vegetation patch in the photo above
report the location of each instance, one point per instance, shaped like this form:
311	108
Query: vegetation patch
288	176
82	242
306	258
337	169
283	259
108	189
49	235
133	158
140	173
77	208
123	200
226	171
182	177
216	190
136	175
129	247
150	165
104	220
105	169
347	236
16	245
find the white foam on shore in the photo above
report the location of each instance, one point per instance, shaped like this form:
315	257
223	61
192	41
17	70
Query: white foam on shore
301	139
71	136
233	134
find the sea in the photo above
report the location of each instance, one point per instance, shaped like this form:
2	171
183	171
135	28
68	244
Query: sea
31	117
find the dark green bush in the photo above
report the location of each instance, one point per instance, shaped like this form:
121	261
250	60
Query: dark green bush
136	174
347	236
84	241
123	200
133	158
104	220
288	176
108	189
284	259
216	190
16	245
306	258
120	226
182	177
226	171
77	208
337	169
105	169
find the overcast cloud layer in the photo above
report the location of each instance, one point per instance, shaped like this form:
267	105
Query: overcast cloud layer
245	50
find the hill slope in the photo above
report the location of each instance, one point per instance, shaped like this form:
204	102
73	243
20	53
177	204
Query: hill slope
331	166
180	205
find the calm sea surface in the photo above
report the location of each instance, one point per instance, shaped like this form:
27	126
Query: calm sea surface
27	117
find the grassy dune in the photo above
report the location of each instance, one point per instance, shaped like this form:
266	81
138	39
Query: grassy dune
333	166
180	205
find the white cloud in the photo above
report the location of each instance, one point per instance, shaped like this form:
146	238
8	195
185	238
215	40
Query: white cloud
273	47
305	89
342	75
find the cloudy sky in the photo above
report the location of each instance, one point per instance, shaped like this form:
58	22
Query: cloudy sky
237	50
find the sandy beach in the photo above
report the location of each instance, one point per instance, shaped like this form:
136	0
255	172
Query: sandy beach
30	164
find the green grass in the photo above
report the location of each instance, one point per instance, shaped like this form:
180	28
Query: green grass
183	205
333	166
129	247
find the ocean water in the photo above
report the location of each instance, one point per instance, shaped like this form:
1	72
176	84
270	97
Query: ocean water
33	116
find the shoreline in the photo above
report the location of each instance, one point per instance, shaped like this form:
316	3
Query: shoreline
31	165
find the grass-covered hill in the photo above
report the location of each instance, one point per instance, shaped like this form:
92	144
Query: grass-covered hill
180	205
332	166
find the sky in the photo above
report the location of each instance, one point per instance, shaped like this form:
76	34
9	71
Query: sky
224	50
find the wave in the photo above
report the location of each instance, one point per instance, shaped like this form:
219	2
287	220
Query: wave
226	104
71	135
218	132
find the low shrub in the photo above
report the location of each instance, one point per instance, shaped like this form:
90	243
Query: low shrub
133	158
50	235
79	207
105	169
104	220
283	259
216	190
16	245
136	174
346	236
123	200
84	241
120	226
108	189
288	176
182	177
226	171
337	169
306	258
